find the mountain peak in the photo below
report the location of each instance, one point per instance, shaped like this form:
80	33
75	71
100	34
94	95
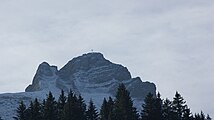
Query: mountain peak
93	55
89	60
43	72
94	64
44	64
46	70
89	74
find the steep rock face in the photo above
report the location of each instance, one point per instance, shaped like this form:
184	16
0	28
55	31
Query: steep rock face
44	75
96	66
89	74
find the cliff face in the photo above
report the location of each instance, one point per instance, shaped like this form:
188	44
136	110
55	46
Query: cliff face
44	76
87	74
90	75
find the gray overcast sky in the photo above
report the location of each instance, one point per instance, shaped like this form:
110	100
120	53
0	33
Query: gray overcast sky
168	42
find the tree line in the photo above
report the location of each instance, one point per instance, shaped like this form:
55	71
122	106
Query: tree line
73	107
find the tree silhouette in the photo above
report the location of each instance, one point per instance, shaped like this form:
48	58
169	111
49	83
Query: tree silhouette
187	115
178	106
61	103
148	108
123	108
34	111
81	108
104	111
91	112
50	108
21	112
167	111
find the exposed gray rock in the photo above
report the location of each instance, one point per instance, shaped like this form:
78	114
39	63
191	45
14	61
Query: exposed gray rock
95	67
44	72
90	73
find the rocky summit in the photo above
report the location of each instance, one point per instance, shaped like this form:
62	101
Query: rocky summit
90	75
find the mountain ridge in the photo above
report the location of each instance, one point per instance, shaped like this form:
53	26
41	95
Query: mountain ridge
90	70
90	75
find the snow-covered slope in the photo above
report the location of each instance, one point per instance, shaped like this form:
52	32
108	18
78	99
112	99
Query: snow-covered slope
90	75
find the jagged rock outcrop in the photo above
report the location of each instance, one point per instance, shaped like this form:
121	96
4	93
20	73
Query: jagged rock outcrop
89	74
45	73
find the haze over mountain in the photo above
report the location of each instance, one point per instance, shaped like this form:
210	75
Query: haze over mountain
90	75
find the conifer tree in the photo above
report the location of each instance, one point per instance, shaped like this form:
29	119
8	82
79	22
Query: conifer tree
110	104
104	111
50	108
187	115
34	110
152	108
68	112
123	108
21	112
135	114
62	100
43	108
81	108
30	111
61	103
148	108
167	111
178	106
74	108
208	117
197	117
91	112
202	116
158	108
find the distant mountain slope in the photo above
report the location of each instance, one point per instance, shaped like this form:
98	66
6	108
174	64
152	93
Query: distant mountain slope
90	75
